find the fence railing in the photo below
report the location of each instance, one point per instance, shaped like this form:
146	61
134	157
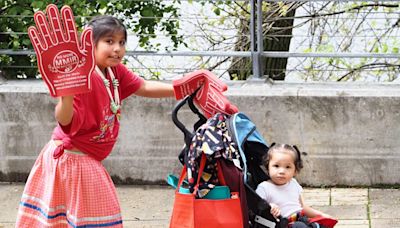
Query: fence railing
299	40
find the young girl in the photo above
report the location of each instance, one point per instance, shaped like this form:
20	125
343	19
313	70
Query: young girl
68	185
282	191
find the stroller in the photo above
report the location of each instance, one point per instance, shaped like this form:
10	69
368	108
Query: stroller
251	147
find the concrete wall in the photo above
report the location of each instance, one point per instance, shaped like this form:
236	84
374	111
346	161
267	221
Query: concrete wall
350	132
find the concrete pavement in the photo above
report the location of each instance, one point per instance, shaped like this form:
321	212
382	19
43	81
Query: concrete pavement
150	206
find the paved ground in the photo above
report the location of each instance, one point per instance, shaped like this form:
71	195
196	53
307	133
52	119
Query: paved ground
150	206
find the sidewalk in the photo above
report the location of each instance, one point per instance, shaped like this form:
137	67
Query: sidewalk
150	206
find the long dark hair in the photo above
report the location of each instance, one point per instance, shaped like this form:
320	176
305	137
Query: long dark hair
105	25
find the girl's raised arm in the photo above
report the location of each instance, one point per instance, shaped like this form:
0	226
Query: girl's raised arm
64	110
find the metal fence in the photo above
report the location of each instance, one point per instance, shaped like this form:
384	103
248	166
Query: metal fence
283	40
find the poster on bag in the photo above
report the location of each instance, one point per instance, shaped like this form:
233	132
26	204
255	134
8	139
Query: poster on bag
64	62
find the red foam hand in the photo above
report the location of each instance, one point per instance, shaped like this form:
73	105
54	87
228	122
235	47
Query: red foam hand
192	81
209	97
212	101
64	63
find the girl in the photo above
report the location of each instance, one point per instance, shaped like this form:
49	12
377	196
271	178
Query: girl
282	191
68	184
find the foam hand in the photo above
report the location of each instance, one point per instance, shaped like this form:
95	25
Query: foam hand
64	63
209	97
212	101
192	81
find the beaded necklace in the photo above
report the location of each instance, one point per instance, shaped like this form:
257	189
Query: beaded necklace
115	103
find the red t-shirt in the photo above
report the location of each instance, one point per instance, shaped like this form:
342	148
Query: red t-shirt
94	128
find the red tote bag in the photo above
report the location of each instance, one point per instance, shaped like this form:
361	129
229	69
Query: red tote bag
189	212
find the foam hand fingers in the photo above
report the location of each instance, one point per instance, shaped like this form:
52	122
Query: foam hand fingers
87	41
215	82
69	24
48	32
43	29
216	102
223	105
36	35
213	102
190	82
37	43
211	82
55	23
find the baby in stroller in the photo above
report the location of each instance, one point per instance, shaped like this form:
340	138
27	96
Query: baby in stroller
283	192
240	155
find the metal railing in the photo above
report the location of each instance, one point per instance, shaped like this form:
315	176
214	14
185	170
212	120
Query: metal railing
300	61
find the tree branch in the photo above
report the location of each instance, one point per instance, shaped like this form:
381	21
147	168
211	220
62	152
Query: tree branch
349	10
367	66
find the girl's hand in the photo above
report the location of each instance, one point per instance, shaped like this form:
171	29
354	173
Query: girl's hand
64	63
275	211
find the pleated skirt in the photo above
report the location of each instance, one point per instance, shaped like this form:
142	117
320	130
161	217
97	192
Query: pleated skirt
74	190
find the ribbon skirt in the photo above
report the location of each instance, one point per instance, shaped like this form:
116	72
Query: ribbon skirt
74	190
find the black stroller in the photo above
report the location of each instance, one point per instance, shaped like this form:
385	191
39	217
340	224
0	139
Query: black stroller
251	147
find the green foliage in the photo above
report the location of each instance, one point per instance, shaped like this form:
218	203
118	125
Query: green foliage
371	30
144	18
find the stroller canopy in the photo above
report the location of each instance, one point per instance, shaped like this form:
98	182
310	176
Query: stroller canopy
244	131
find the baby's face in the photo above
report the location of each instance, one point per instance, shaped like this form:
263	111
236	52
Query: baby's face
281	167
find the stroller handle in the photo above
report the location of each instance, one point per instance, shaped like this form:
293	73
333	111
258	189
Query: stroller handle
189	100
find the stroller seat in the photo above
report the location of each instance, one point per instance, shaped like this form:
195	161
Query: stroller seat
242	173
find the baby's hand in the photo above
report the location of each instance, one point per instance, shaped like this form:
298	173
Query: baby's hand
275	211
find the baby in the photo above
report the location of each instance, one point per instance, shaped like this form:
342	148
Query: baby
282	191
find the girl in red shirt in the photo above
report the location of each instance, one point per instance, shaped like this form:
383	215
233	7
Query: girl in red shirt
68	185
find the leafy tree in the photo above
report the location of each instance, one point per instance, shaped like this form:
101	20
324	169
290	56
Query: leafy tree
277	28
143	18
330	27
354	27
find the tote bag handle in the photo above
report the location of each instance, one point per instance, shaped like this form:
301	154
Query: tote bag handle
221	177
